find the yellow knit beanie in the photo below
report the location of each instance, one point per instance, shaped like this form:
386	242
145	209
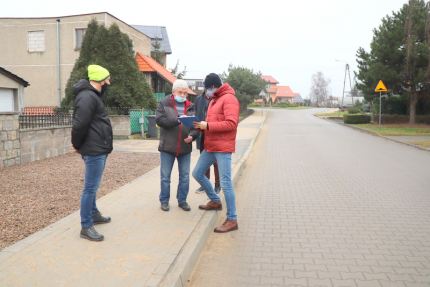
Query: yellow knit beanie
97	73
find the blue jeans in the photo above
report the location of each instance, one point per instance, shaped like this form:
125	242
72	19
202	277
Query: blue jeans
224	167
166	164
94	167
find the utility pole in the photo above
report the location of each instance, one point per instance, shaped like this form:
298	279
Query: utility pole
344	84
347	72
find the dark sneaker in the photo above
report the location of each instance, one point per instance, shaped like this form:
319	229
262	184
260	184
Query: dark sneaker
165	207
185	206
200	190
217	189
91	234
211	205
98	218
227	226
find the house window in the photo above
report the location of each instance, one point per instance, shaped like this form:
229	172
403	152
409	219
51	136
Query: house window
7	100
36	41
79	37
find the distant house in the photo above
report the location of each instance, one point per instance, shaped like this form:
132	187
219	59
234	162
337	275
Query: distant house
157	75
44	50
274	94
350	101
284	94
11	92
332	102
263	97
159	40
270	90
196	85
298	99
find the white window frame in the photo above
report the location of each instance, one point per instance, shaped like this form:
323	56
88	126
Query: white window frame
38	49
12	101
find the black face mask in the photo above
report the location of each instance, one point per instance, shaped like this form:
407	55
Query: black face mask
104	88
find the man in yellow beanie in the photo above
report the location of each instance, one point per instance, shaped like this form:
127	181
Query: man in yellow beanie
97	73
92	138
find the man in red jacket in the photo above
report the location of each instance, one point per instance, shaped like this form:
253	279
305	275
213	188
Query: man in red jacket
220	128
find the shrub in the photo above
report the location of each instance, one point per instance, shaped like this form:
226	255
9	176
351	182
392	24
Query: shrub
285	105
354	110
255	105
356	119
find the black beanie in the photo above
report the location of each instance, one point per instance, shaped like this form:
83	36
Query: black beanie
212	80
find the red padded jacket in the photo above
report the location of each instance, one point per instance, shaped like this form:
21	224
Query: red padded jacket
222	118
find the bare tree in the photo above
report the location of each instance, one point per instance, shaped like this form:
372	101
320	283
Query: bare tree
175	71
320	90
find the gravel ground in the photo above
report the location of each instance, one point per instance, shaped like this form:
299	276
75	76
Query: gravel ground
34	195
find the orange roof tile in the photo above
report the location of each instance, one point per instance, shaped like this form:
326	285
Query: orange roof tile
270	79
284	92
148	65
272	89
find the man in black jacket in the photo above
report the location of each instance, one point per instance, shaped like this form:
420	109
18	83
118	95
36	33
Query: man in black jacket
175	143
92	138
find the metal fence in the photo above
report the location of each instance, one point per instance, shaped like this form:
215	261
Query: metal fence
63	118
45	121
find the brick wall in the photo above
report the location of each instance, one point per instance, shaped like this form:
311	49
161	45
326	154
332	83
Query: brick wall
120	126
39	144
23	146
9	140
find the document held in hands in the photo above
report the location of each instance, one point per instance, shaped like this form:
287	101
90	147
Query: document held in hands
188	120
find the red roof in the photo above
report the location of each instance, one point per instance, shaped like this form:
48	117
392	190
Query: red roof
148	65
272	89
39	111
270	79
284	92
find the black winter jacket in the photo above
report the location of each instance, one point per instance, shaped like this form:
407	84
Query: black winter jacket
92	130
201	107
172	133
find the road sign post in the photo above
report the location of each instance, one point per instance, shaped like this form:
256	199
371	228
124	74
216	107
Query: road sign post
380	107
380	88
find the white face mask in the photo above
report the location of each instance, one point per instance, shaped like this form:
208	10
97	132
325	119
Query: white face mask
210	92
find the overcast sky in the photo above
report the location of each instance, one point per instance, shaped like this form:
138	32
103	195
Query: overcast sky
290	40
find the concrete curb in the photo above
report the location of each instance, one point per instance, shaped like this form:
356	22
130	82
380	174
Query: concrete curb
183	265
387	138
374	134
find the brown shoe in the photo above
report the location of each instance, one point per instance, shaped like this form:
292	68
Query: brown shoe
227	226
211	205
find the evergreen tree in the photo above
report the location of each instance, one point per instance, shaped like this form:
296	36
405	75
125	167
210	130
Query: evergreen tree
113	50
399	55
246	84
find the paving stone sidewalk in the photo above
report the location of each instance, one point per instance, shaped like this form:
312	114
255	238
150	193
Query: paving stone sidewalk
320	204
143	245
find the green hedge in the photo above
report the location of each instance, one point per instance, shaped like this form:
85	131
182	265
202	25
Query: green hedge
285	105
354	110
356	119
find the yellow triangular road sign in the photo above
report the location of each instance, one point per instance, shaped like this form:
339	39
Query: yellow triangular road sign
381	87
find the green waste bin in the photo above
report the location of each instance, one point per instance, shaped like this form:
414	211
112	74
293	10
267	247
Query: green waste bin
152	127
